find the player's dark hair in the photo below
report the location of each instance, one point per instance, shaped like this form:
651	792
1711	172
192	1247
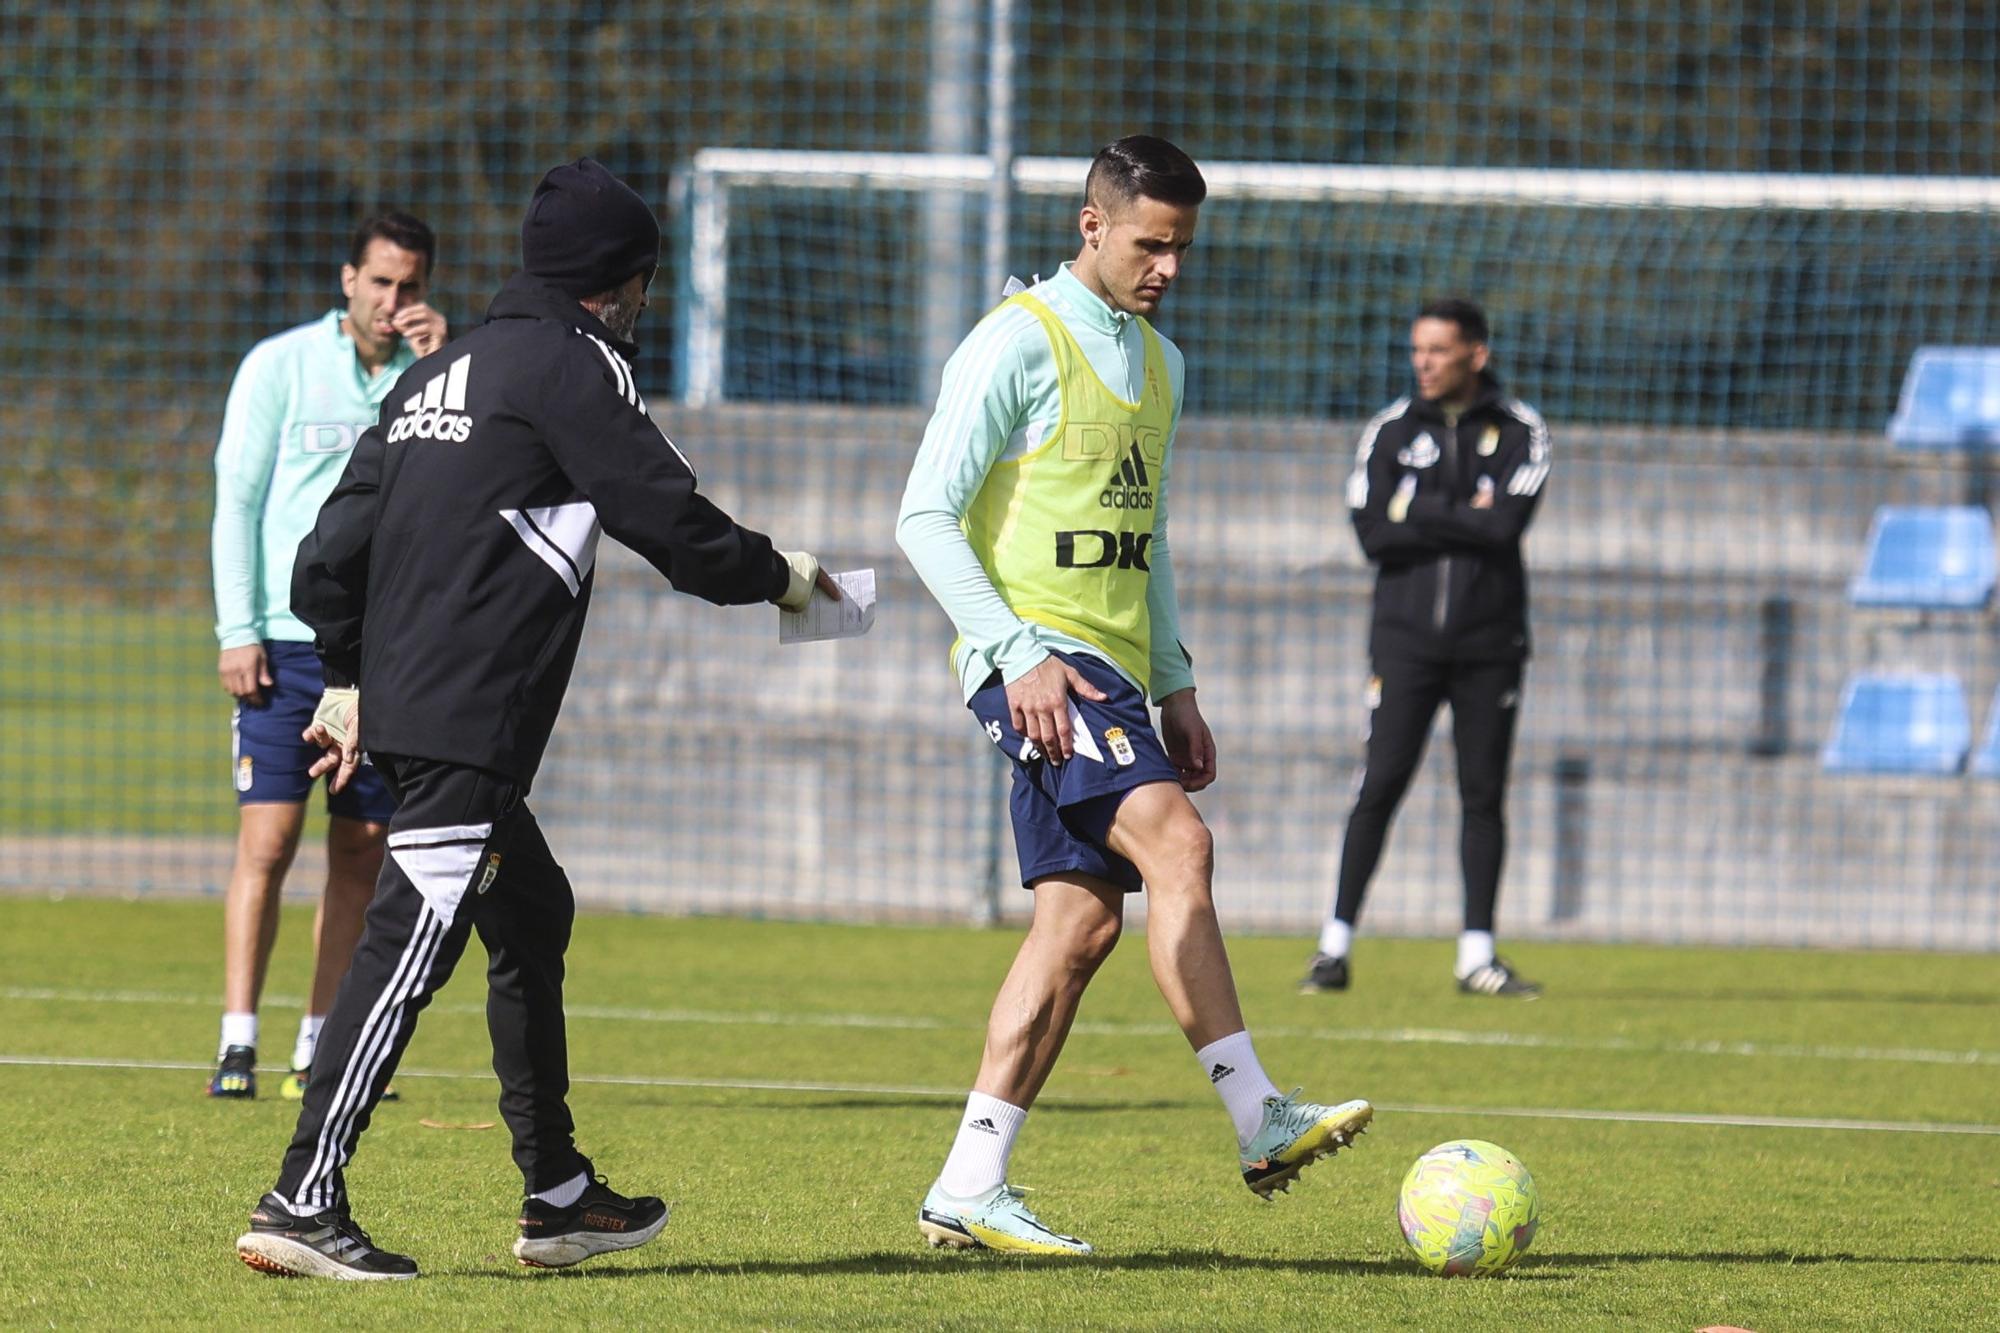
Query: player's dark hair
1471	320
1140	166
398	229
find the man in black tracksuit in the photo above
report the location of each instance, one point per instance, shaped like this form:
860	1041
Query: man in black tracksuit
1444	486
448	577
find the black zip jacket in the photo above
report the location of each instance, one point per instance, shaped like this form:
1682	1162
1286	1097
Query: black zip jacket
1449	583
450	570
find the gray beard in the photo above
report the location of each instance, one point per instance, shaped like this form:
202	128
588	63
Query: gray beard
621	317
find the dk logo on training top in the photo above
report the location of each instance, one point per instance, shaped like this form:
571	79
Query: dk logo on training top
1095	548
438	413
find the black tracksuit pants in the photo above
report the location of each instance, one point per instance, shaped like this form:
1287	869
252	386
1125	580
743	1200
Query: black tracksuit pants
464	854
1485	700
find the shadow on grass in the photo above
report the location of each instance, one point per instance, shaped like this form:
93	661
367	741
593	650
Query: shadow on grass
1753	995
883	1263
954	1263
1781	1258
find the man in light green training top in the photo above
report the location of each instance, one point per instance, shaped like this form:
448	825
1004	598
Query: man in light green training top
300	401
1036	514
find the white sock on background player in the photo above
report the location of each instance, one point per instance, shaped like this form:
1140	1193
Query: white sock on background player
1232	1067
302	1049
978	1158
1336	937
1475	950
237	1030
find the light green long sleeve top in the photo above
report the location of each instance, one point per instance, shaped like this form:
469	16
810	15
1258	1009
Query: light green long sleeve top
1000	398
299	402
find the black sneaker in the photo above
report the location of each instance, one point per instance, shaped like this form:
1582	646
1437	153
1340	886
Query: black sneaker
236	1075
327	1244
1496	978
600	1221
1326	973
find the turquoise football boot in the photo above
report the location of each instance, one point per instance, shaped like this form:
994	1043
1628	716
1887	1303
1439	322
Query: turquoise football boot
996	1220
1294	1135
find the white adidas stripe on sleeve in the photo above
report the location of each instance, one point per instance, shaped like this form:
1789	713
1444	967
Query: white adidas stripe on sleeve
1528	478
1357	480
621	374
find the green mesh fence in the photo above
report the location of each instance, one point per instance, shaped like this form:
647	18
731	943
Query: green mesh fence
1803	196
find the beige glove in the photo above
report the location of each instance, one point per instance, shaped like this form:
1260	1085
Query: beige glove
335	713
799	589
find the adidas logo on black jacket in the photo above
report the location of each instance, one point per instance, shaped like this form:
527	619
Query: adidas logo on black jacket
450	570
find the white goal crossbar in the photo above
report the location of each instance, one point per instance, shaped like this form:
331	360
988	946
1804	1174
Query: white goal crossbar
715	171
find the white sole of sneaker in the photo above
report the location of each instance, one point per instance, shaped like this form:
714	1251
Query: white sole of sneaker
1328	1141
281	1257
562	1251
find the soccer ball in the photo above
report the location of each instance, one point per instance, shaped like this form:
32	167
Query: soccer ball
1468	1207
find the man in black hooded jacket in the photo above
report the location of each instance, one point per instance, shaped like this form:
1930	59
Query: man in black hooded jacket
1445	483
447	579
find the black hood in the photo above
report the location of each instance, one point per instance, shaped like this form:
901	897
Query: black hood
587	231
525	296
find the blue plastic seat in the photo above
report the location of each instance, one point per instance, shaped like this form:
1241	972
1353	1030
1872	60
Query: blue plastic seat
1986	759
1900	724
1950	400
1938	558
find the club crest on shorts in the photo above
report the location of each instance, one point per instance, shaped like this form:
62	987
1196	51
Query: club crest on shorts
243	773
1372	695
1121	747
488	875
1421	452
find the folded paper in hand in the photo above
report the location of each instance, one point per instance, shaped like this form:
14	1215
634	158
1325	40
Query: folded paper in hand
850	617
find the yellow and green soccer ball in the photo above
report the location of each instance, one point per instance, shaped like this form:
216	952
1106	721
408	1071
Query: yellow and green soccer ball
1468	1207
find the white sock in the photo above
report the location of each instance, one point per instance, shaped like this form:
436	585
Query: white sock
1231	1065
237	1030
1336	937
302	1049
565	1194
985	1141
1475	950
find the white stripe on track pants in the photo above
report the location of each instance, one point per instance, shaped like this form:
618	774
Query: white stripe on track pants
465	854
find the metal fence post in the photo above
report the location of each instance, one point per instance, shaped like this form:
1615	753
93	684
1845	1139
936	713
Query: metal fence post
1572	835
1775	634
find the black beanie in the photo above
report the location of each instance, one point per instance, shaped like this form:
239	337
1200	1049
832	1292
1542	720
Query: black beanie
587	231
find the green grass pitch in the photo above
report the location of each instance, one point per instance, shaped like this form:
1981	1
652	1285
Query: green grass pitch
121	1188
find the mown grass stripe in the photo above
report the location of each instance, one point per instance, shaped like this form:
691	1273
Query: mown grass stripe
1726	1121
912	1023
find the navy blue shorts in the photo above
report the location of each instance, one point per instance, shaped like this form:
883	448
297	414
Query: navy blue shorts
270	759
1062	812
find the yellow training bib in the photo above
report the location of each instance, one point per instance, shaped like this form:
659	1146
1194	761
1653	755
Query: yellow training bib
1063	530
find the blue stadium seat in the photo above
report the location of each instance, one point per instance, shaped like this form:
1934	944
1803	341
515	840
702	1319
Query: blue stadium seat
1986	759
1900	724
1937	558
1951	400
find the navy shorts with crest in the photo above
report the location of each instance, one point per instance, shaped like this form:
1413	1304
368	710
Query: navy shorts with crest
270	760
1062	812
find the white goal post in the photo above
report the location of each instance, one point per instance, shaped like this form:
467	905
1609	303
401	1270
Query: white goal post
715	171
